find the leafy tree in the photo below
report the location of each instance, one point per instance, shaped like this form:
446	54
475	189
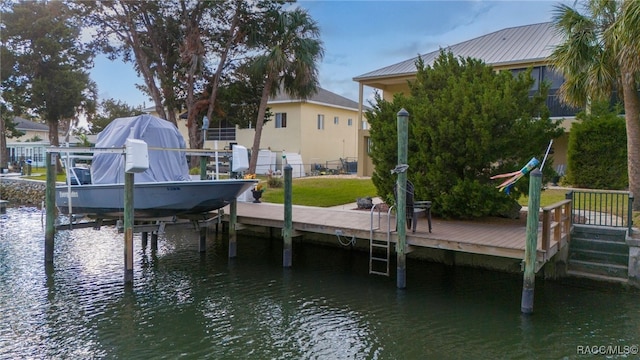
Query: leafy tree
184	50
599	55
47	70
292	48
597	156
466	123
237	103
109	110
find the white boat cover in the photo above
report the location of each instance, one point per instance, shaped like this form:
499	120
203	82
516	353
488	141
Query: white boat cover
156	132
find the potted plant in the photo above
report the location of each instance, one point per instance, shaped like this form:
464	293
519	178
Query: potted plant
194	173
257	192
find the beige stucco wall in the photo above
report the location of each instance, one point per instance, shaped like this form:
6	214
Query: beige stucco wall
333	142
301	135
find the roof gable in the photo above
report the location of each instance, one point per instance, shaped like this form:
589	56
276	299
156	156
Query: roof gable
28	125
520	44
322	96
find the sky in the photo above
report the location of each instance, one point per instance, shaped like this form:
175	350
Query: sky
366	35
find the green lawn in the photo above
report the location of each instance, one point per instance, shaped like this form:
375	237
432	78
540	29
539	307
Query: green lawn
325	192
547	197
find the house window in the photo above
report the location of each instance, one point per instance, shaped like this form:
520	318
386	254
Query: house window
552	77
320	122
349	122
336	120
535	75
281	120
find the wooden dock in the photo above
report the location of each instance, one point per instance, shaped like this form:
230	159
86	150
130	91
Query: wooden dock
494	236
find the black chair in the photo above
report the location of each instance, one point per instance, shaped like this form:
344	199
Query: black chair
413	208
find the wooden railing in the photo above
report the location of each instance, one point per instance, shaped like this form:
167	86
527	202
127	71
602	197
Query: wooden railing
556	224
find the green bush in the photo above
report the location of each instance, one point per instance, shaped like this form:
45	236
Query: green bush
466	123
597	154
274	182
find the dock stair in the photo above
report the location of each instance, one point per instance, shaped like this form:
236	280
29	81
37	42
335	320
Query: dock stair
598	253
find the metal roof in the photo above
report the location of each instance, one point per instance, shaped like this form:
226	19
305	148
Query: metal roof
322	96
24	124
520	44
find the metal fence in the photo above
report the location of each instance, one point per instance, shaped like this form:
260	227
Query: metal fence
602	207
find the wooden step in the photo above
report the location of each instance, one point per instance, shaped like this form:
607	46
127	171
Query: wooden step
614	247
612	270
599	256
596	277
600	233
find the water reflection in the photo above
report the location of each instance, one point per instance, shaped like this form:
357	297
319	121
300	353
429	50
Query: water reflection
184	303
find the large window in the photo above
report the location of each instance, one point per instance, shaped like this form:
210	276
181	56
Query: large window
349	122
320	122
535	74
552	77
281	120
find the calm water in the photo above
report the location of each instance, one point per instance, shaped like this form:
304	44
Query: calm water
187	305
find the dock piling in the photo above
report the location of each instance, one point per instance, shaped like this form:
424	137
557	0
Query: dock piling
128	227
530	252
50	204
287	230
202	247
233	234
154	240
401	208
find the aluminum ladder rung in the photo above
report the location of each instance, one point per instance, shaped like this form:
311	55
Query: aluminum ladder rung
382	244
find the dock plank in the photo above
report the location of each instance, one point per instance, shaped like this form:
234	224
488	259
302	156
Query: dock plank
493	236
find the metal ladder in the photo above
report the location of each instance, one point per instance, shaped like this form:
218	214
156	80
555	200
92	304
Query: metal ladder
384	245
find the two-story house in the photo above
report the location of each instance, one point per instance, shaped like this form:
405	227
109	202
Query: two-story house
30	146
513	49
321	130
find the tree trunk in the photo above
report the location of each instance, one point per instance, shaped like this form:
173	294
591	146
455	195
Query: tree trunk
253	162
632	117
55	141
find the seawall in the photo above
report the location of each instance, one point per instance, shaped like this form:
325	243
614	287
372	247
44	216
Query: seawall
22	191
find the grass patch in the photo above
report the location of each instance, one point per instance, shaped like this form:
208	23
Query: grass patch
43	177
547	197
323	192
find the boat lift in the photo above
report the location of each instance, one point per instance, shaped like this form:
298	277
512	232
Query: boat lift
199	222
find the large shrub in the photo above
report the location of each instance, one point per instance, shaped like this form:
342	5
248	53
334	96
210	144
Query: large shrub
597	154
466	123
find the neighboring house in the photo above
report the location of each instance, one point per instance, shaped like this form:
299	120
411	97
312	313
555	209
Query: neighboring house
31	145
322	130
513	49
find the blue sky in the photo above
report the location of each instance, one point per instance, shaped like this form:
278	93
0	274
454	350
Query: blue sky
362	36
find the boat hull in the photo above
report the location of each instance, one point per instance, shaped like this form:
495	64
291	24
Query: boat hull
151	199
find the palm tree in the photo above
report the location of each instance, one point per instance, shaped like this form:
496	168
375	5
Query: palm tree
289	63
600	54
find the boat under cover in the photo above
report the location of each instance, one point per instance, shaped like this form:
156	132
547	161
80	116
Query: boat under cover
151	199
163	189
